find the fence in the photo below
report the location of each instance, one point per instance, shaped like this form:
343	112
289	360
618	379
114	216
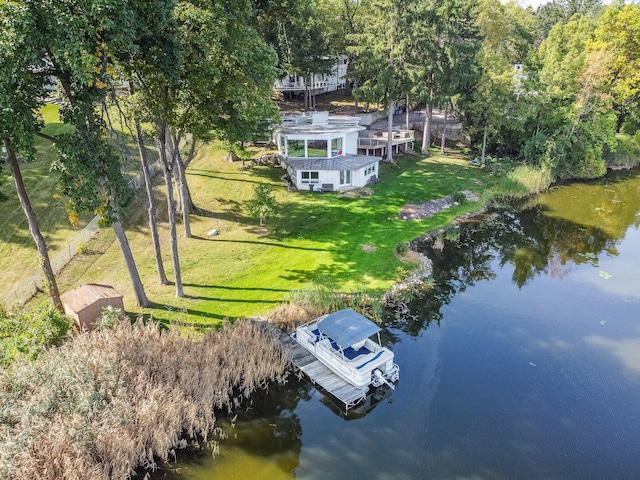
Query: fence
34	283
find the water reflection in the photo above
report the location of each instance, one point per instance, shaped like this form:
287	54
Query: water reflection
374	397
548	235
262	441
627	350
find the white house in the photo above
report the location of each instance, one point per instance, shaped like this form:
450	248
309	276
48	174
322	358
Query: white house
321	152
295	84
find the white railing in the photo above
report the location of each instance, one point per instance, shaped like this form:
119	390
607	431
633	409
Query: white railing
379	139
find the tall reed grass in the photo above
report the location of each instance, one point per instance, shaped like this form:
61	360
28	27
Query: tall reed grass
530	180
116	399
322	297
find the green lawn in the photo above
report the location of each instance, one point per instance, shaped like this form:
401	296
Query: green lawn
18	254
241	273
18	257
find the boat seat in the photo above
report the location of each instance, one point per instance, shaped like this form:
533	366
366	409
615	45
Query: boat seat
370	360
351	353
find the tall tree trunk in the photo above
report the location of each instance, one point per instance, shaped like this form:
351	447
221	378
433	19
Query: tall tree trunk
355	100
51	287
390	131
153	222
138	288
306	93
192	153
426	134
173	237
484	139
184	197
407	114
444	130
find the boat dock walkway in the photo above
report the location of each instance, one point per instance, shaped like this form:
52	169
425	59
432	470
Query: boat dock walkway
318	373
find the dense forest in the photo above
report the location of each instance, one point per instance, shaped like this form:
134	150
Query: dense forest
557	87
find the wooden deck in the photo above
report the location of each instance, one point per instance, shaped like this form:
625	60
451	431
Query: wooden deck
377	146
319	374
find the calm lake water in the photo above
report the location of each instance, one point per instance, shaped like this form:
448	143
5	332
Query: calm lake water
523	363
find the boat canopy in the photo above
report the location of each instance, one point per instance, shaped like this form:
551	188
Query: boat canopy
347	327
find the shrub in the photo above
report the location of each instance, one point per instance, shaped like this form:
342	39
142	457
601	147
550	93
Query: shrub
111	316
452	233
460	198
84	248
401	274
627	151
401	248
26	334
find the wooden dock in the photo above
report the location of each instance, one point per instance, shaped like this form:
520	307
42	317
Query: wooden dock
319	374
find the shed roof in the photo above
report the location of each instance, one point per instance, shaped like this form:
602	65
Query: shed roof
87	294
347	327
343	162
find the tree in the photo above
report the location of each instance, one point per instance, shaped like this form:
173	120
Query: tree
618	38
494	93
379	58
440	56
20	99
458	46
580	120
74	43
263	204
154	68
225	81
151	208
561	11
506	40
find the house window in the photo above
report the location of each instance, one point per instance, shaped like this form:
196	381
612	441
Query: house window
317	148
336	147
345	177
370	169
310	177
295	148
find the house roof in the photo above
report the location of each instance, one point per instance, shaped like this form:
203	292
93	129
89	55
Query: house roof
318	123
344	162
312	130
87	294
347	327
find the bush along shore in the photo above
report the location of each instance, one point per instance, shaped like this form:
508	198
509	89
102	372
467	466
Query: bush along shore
119	398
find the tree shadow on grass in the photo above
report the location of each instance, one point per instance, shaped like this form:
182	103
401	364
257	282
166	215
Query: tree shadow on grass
176	315
268	244
225	287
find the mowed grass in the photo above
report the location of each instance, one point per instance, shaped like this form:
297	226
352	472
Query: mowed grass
314	238
18	254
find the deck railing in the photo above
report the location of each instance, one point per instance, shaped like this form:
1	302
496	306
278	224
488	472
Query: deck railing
379	139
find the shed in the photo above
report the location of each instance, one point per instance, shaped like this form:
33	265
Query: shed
86	302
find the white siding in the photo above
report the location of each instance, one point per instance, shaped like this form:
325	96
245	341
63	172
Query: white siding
351	144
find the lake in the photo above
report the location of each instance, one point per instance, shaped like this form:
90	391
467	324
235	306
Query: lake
522	363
